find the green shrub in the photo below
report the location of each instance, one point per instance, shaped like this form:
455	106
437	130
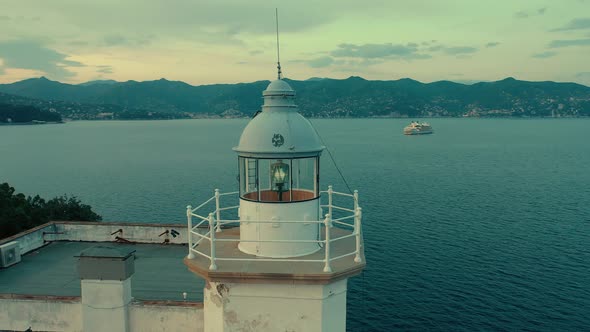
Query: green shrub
19	213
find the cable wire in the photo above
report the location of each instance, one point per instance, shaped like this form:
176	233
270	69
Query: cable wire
331	157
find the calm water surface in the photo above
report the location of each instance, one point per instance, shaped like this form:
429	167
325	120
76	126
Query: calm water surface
484	225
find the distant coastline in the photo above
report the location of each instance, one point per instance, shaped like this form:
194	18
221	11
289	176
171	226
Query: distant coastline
32	123
36	123
353	97
343	118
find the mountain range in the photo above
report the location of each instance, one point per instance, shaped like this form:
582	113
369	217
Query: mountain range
317	97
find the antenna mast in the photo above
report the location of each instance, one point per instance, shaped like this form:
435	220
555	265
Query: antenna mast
280	73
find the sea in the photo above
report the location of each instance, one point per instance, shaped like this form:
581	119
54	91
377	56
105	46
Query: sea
482	226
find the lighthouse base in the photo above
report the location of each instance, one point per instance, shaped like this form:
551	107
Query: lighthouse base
275	307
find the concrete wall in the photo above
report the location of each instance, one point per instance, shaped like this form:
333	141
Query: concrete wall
250	307
42	313
145	316
31	239
50	313
103	232
97	232
105	305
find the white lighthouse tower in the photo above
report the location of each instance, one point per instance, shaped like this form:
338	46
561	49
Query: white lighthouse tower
278	157
285	268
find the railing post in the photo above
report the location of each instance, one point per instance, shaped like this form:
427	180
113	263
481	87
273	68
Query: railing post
217	210
213	266
357	230
330	191
189	220
328	224
356	199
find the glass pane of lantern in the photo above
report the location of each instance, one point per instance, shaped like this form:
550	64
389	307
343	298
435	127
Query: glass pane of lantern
304	179
248	178
264	174
242	170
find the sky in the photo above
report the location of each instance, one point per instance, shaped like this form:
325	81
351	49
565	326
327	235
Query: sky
230	41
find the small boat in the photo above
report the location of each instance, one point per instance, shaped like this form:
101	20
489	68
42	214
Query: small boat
418	128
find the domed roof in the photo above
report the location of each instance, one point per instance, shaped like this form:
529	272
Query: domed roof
279	134
279	131
278	87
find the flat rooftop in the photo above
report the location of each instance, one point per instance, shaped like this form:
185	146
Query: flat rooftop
160	273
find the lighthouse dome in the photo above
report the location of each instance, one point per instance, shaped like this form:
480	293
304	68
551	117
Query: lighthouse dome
279	131
278	87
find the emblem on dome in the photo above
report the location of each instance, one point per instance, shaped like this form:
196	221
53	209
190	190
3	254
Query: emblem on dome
278	140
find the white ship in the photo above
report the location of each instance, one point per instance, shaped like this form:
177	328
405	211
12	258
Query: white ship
418	128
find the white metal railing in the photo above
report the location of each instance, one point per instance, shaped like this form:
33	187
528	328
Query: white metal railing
213	223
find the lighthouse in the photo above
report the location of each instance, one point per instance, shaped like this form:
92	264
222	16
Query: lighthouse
284	263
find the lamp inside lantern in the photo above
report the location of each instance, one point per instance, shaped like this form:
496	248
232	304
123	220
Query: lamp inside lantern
280	177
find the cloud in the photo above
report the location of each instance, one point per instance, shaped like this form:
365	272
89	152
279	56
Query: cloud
454	50
320	62
255	52
492	44
544	55
375	51
531	13
362	63
356	66
220	22
30	54
78	43
20	19
112	40
575	24
105	69
459	50
435	48
569	42
119	40
341	64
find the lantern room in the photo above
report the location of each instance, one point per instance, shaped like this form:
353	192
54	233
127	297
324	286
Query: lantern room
282	180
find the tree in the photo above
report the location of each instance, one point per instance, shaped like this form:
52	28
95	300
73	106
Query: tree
23	114
19	213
